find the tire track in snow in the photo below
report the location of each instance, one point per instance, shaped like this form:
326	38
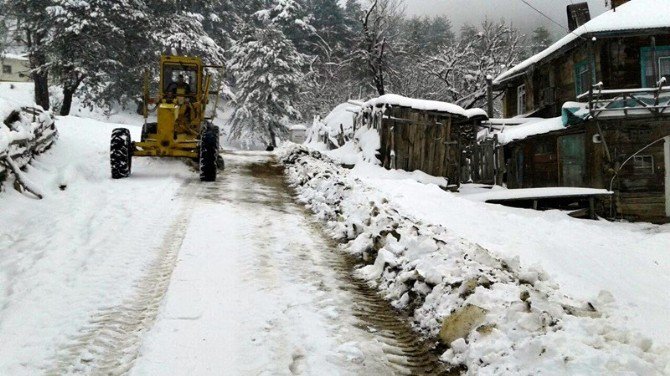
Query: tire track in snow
110	343
405	352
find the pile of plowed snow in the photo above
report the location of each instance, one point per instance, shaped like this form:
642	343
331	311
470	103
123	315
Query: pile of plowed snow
494	316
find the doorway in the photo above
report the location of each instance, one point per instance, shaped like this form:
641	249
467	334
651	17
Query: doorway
572	160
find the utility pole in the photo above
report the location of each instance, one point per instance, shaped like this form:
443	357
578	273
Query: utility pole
489	95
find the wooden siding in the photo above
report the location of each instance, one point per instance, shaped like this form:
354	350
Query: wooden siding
421	140
639	195
617	65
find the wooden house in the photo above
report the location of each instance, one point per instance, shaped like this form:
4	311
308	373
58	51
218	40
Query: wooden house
415	134
617	137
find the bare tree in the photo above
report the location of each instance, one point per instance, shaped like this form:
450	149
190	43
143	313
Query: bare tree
378	40
464	66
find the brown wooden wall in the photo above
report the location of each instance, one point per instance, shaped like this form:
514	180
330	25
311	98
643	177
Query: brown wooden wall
536	162
617	63
422	140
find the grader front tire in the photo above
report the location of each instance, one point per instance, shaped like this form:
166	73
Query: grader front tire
209	151
120	153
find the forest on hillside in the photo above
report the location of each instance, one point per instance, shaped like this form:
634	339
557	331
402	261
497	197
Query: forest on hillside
286	60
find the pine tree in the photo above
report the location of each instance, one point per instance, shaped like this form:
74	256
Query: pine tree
331	35
541	39
177	24
268	77
84	43
292	18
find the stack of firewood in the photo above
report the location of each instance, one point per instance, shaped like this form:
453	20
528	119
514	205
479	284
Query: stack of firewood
24	134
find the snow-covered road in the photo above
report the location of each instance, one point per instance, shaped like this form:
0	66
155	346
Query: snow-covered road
162	274
259	290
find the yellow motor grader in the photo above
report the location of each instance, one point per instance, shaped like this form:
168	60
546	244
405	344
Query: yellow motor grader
183	127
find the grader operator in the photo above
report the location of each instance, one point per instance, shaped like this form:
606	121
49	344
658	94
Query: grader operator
182	129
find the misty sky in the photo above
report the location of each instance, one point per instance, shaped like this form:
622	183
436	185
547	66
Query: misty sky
474	11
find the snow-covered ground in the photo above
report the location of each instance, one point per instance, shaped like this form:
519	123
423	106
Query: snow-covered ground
162	274
82	248
552	294
629	260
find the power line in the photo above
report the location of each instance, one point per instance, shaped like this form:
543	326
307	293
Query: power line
545	16
552	20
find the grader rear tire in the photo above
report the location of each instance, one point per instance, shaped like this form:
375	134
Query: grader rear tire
120	153
209	151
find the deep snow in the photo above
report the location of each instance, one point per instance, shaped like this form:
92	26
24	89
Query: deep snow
629	260
562	296
82	248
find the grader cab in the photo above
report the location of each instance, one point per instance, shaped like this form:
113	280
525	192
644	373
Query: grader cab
183	127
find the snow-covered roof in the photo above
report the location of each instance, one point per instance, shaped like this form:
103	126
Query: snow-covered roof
297	127
417	104
13	57
536	193
519	132
423	105
631	16
476	112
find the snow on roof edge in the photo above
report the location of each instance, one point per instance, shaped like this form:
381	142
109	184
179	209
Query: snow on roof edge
424	105
633	15
13	56
533	128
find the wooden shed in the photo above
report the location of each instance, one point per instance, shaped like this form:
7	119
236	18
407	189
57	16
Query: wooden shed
415	134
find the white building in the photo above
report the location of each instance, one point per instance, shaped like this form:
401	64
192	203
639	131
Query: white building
15	68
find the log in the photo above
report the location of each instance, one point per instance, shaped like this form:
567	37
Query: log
23	182
40	134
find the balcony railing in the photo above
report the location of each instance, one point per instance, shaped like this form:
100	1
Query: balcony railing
641	102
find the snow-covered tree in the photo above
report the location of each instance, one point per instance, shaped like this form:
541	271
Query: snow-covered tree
267	70
292	18
378	40
331	34
86	43
463	67
30	29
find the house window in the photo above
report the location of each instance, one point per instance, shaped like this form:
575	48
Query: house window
652	73
521	100
7	69
582	81
664	69
643	164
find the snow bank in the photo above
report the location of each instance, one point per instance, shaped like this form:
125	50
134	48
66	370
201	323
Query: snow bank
337	127
362	147
370	170
495	316
80	253
26	130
